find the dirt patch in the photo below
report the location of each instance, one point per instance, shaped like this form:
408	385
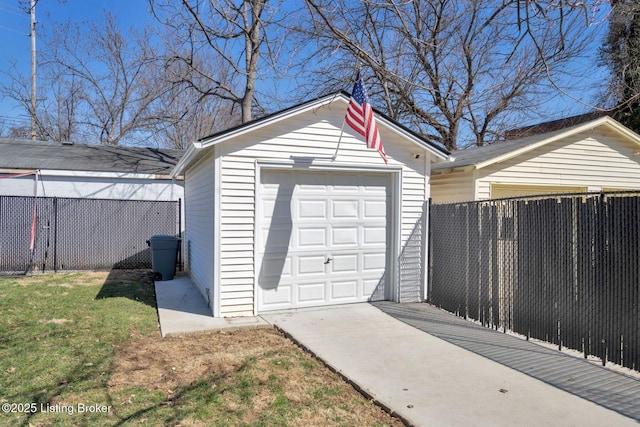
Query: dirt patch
259	363
166	364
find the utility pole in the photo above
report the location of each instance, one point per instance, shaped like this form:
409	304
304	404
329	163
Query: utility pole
33	69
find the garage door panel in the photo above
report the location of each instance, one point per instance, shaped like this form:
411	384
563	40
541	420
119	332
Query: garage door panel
374	236
277	239
311	264
341	290
275	269
280	297
312	292
339	185
344	236
344	209
375	210
312	216
374	262
312	237
345	264
370	285
312	209
277	211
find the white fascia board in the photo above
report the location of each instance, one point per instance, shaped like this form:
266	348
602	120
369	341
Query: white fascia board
195	147
186	159
328	100
622	129
400	131
277	117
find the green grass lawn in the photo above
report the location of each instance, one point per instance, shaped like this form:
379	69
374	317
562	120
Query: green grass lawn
57	340
74	345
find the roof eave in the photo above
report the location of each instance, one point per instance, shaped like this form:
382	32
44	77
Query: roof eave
186	159
602	121
192	152
439	154
273	118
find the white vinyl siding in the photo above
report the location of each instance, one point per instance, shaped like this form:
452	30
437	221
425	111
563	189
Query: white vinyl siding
452	186
310	134
501	191
74	185
199	219
599	159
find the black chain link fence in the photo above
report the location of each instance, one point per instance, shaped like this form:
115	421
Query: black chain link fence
80	234
563	269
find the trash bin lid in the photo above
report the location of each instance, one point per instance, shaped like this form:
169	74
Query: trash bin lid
163	237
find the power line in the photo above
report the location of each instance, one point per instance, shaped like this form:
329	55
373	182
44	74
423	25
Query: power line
14	10
15	121
14	31
7	10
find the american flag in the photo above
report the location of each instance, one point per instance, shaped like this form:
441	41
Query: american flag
360	117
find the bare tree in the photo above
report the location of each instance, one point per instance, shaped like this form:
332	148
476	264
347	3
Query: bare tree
183	114
96	84
18	88
234	33
444	67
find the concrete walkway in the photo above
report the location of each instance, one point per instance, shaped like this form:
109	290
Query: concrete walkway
430	367
429	381
610	389
183	310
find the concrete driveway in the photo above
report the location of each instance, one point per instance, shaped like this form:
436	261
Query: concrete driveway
428	381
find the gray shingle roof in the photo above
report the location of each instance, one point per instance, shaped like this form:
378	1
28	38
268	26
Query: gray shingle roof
476	155
26	154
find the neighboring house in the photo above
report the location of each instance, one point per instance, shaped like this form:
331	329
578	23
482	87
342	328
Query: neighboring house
96	205
273	221
598	155
88	171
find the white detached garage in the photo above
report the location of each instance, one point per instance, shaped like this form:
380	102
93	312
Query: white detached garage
275	221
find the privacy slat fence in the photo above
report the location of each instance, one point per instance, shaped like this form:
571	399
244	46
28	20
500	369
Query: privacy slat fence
564	269
80	234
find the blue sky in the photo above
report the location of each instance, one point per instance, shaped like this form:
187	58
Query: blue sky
15	44
15	47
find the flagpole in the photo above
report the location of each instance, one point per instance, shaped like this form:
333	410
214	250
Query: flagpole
335	155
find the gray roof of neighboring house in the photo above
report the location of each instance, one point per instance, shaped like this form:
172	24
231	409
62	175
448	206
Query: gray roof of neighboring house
476	155
27	154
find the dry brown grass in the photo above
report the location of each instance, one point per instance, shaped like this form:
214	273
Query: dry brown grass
256	375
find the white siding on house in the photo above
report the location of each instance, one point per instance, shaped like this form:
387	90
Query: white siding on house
451	186
500	191
311	134
199	219
595	160
93	186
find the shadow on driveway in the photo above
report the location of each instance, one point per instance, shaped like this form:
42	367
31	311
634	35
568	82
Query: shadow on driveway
605	387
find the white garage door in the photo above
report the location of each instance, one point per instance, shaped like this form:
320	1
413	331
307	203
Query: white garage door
323	238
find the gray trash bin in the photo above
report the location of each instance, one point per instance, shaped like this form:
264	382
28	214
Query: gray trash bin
164	253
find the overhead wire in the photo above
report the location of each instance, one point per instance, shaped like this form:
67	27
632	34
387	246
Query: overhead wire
12	10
